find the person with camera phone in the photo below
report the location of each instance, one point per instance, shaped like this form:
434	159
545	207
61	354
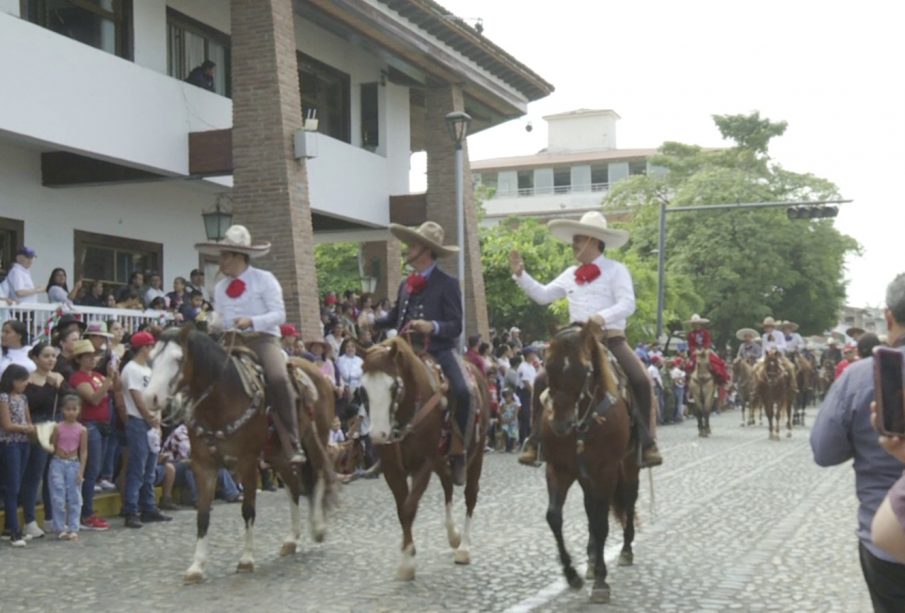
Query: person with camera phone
889	375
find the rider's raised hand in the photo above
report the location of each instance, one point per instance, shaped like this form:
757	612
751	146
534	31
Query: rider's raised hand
516	263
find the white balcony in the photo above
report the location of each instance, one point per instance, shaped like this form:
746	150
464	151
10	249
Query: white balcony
39	317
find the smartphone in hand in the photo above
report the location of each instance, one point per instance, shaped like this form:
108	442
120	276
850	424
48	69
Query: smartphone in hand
889	390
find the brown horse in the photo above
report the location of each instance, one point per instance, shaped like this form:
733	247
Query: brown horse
773	391
702	386
742	373
228	428
806	379
825	378
405	398
586	435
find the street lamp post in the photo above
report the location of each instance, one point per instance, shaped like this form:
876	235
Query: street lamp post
457	124
218	221
661	274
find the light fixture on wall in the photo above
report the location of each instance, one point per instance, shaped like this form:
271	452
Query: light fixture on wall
218	221
369	271
457	124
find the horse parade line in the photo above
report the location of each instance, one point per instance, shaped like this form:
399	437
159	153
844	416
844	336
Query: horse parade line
742	523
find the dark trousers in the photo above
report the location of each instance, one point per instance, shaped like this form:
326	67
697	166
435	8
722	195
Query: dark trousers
458	388
885	582
640	382
279	388
14	458
35	470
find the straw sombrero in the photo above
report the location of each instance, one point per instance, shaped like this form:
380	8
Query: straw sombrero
790	324
592	224
430	234
740	334
697	319
237	240
768	321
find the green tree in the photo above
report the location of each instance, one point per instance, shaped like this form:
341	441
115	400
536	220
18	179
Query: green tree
337	267
743	264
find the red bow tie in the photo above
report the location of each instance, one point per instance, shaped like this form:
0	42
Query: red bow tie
586	273
415	283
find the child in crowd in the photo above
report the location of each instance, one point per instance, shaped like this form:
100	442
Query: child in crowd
15	426
509	417
67	469
164	471
336	432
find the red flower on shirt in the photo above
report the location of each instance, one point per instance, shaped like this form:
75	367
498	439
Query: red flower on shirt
415	283
235	288
586	273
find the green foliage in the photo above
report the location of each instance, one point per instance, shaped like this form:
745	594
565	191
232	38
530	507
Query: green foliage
337	267
745	264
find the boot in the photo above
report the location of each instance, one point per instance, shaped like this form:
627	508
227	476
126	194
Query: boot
529	453
287	429
650	456
458	459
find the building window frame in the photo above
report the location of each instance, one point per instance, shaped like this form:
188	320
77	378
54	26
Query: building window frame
119	245
15	230
183	22
35	11
336	123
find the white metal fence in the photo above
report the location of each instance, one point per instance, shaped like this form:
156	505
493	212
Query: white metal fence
37	316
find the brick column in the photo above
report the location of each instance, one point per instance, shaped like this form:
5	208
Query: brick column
441	202
389	255
270	192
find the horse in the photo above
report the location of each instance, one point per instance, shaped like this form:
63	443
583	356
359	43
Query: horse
744	381
805	378
773	390
586	435
825	378
405	396
228	428
702	386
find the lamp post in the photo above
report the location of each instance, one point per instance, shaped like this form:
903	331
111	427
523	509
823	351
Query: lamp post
457	124
218	221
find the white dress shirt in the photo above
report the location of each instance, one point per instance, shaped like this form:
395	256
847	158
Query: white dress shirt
350	370
611	295
18	279
774	340
262	302
794	342
526	374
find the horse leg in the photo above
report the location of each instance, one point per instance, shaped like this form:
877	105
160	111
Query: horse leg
293	490
248	473
788	419
558	483
206	480
318	522
596	507
394	473
472	486
452	533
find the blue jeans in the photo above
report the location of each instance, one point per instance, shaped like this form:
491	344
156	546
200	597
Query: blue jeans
680	398
139	469
226	485
93	469
31	481
65	494
15	457
111	453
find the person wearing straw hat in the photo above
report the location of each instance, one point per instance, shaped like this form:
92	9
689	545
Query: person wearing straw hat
794	342
598	289
700	338
429	302
772	338
250	300
749	349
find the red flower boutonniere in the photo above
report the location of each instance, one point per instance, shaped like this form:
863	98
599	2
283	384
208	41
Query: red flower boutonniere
586	273
235	288
415	283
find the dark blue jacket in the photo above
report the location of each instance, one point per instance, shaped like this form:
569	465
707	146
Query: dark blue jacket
440	301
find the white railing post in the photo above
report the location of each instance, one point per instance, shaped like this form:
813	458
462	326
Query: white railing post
36	316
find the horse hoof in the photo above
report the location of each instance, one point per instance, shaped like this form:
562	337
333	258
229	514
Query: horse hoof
455	539
626	558
462	556
245	567
405	574
288	549
318	534
193	577
575	582
788	435
600	595
589	574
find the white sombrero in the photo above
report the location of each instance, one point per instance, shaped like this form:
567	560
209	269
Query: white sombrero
430	234
697	319
741	333
591	224
768	321
237	240
790	324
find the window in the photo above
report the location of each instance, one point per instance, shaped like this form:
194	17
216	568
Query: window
103	24
190	42
562	180
325	97
112	259
637	168
370	128
487	179
525	182
600	177
11	238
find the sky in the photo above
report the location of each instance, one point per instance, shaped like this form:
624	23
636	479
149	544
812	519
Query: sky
832	70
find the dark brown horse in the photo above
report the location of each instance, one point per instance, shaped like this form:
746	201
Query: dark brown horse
773	391
586	435
742	374
806	378
225	411
406	401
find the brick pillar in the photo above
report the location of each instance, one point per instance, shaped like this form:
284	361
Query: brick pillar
270	192
441	202
388	254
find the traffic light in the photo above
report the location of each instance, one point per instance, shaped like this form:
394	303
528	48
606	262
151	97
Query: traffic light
812	212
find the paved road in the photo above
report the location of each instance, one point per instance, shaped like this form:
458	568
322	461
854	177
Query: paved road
740	523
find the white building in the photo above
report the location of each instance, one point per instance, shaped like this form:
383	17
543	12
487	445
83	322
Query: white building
567	178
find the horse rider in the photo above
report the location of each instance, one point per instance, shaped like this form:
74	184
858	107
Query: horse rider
794	343
748	350
832	352
700	338
429	302
599	290
249	300
775	340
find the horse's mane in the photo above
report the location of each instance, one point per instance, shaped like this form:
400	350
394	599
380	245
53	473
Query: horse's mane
570	337
384	357
208	356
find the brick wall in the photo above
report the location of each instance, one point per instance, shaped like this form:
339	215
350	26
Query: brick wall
270	192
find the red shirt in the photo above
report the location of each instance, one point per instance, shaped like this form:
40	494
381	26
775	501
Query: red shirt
92	412
699	339
840	368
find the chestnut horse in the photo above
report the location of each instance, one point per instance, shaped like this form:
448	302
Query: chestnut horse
773	391
228	428
702	386
406	400
586	435
742	373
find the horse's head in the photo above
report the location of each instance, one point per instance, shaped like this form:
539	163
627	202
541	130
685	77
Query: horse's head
391	382
773	365
574	364
167	360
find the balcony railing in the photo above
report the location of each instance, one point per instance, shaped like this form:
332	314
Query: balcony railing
554	189
37	317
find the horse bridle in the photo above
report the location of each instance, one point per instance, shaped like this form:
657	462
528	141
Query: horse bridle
398	431
581	421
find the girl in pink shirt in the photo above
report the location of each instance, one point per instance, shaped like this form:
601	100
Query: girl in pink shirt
67	469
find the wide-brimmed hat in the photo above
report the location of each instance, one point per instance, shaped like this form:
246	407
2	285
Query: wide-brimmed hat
592	224
832	341
768	321
83	346
97	328
66	320
742	332
430	234
853	331
790	324
316	340
697	319
237	239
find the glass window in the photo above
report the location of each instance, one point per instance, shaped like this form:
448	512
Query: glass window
637	168
370	123
325	97
112	259
525	182
103	24
487	179
11	238
562	180
190	43
600	177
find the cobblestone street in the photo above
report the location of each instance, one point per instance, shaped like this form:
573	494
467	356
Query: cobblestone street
740	523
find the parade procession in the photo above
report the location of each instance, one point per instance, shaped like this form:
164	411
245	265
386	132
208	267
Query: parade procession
361	255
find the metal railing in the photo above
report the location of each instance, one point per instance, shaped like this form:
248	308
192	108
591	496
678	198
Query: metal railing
37	316
528	192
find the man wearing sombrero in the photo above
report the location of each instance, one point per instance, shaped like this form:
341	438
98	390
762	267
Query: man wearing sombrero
429	302
700	338
748	349
794	342
248	300
774	340
598	290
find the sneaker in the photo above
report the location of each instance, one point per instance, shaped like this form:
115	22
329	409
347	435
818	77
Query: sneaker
167	504
64	536
32	530
97	488
95	523
17	540
73	536
132	521
154	516
106	485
